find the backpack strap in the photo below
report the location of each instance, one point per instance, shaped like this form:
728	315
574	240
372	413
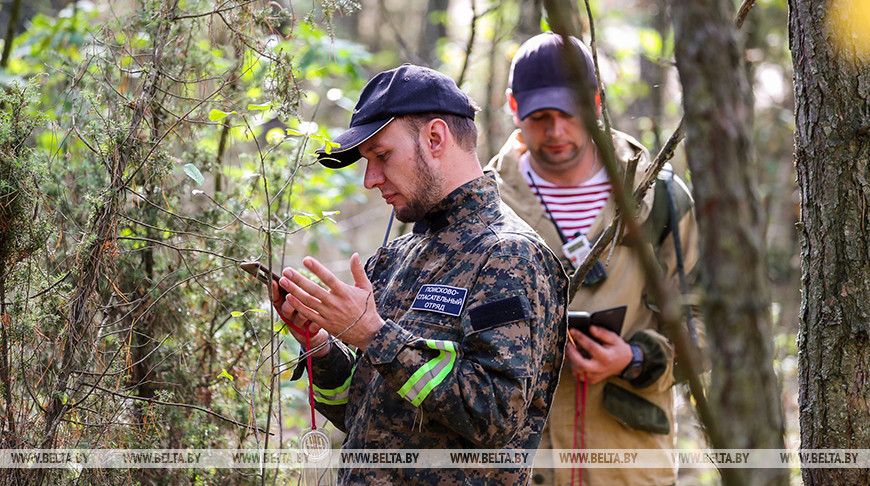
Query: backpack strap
674	226
666	189
672	202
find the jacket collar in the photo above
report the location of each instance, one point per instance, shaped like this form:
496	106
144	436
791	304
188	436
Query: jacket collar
460	204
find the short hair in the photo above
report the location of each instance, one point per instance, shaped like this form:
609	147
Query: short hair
463	128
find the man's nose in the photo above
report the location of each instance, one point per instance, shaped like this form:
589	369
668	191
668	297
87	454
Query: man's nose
557	126
373	177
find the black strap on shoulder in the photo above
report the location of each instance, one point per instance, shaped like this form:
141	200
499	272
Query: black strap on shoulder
658	223
667	176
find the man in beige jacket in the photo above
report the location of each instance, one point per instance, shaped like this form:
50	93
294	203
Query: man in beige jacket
550	172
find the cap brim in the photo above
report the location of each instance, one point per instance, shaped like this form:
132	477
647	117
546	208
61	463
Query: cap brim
552	98
348	151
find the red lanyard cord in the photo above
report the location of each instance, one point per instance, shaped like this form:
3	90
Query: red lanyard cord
307	335
310	380
580	422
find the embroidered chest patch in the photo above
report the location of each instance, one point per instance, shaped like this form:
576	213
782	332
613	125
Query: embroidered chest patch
443	299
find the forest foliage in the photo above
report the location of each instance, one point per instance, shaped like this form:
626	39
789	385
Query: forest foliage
147	148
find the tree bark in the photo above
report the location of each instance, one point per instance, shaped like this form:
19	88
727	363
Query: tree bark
832	151
735	295
10	33
529	22
433	30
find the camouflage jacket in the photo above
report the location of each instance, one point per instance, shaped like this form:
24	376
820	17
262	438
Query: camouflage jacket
470	355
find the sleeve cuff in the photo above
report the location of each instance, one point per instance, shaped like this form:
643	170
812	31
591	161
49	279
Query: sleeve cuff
387	342
301	364
655	361
332	369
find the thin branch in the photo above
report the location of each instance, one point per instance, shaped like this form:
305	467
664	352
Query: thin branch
398	34
177	284
743	12
178	249
179	405
217	11
105	374
55	284
605	114
473	30
470	44
177	232
183	218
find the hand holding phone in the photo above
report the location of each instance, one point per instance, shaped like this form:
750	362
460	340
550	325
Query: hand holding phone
347	311
610	319
263	274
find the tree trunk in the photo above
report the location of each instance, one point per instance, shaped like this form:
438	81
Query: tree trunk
434	29
832	151
735	295
529	23
10	33
492	114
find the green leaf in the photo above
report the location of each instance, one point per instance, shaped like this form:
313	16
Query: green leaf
237	314
328	145
216	115
297	133
264	106
327	214
194	174
226	375
281	328
256	310
274	136
302	220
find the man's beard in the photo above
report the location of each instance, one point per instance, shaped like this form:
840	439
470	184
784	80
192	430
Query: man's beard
552	164
428	188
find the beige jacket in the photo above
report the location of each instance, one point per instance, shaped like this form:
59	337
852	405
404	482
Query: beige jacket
624	285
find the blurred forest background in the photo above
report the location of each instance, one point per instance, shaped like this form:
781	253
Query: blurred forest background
149	147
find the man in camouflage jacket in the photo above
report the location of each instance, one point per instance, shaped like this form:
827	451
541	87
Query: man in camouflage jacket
459	327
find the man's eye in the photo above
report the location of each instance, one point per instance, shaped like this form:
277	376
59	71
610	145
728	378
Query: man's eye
381	156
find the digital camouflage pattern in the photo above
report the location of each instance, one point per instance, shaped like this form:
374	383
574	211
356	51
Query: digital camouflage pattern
431	380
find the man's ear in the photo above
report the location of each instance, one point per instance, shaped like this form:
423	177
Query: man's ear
512	102
436	136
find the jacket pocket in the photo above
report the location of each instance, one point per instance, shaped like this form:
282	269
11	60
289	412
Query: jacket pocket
635	411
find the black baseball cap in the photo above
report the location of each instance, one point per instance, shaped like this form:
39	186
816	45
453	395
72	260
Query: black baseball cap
538	78
405	90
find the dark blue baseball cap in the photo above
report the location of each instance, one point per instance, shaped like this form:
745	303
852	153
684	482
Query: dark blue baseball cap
538	78
405	90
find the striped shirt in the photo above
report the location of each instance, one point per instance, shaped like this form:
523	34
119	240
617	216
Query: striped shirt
573	207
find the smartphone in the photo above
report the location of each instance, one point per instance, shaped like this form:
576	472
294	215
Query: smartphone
610	319
263	274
